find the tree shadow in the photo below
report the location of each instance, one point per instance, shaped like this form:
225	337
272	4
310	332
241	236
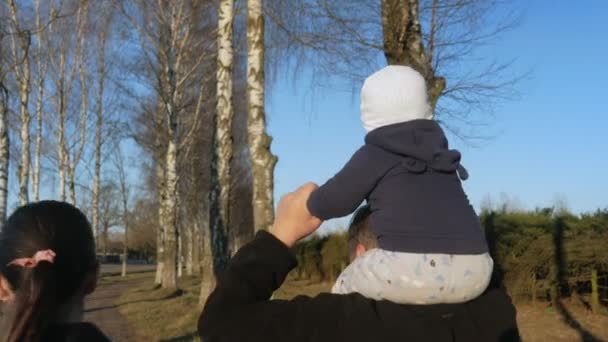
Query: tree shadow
185	338
559	226
241	196
177	293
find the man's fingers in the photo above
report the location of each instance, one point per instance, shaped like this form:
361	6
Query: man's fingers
307	188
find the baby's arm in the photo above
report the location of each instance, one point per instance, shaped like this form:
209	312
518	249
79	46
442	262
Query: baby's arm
343	193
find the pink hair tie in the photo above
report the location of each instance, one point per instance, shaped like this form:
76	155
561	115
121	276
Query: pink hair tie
46	255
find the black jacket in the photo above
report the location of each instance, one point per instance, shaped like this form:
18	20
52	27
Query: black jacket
75	332
240	309
411	181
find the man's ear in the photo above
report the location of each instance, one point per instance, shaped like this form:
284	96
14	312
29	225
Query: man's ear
6	294
360	250
90	281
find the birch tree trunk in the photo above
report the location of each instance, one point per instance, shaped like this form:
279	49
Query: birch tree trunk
196	247
263	161
207	263
101	72
4	149
124	196
160	236
61	113
180	252
73	161
222	137
71	181
215	251
42	69
189	249
169	276
403	42
23	76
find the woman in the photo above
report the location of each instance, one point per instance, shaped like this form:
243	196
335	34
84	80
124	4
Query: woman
47	267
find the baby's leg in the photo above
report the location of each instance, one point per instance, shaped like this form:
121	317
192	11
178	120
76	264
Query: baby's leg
410	278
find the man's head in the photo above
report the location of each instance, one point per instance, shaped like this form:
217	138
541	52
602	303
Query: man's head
360	236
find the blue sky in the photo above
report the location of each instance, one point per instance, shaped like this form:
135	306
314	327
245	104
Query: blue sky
549	143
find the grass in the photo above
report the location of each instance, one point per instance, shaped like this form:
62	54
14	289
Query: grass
158	315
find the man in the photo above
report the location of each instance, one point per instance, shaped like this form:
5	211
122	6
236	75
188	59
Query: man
240	308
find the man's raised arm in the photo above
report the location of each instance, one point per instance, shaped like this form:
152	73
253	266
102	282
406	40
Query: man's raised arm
239	308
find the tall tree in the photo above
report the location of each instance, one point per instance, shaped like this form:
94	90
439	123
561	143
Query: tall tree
222	142
221	154
99	113
174	52
119	164
263	161
21	42
59	59
74	154
42	67
404	43
4	139
443	40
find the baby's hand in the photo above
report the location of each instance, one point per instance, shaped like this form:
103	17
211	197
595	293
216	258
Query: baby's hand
293	221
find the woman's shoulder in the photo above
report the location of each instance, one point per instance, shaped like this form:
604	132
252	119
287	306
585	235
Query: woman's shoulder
75	332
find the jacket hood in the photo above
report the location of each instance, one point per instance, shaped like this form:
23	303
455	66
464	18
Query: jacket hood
422	144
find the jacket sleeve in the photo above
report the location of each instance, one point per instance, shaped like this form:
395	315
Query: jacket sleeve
345	192
240	309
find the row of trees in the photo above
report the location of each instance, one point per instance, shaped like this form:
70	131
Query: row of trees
541	254
185	80
60	121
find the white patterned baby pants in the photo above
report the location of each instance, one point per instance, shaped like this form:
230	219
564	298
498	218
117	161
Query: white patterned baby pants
410	278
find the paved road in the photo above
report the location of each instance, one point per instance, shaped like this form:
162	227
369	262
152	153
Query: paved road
117	268
101	310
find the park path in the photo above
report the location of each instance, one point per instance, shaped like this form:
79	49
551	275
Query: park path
101	310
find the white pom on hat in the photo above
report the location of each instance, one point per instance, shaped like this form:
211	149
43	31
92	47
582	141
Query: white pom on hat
392	95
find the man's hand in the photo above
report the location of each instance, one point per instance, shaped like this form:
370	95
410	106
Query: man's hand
293	221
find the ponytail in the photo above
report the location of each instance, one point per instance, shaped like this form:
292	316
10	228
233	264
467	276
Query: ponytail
43	282
35	304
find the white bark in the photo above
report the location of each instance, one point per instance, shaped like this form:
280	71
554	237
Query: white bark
215	249
42	64
207	266
169	277
73	161
4	150
160	235
23	76
61	87
124	192
101	75
190	242
180	253
223	149
263	161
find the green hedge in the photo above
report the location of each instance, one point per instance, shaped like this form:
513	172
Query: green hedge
537	253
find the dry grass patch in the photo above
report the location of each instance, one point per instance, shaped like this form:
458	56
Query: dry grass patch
540	323
158	315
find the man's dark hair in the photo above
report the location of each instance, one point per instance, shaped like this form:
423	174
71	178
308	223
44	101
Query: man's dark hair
359	231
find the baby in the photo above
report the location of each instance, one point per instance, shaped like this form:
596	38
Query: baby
431	246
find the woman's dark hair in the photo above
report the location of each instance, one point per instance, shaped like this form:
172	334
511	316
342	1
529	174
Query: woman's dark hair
41	291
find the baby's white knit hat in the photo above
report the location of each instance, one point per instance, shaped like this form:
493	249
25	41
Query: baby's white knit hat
393	95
